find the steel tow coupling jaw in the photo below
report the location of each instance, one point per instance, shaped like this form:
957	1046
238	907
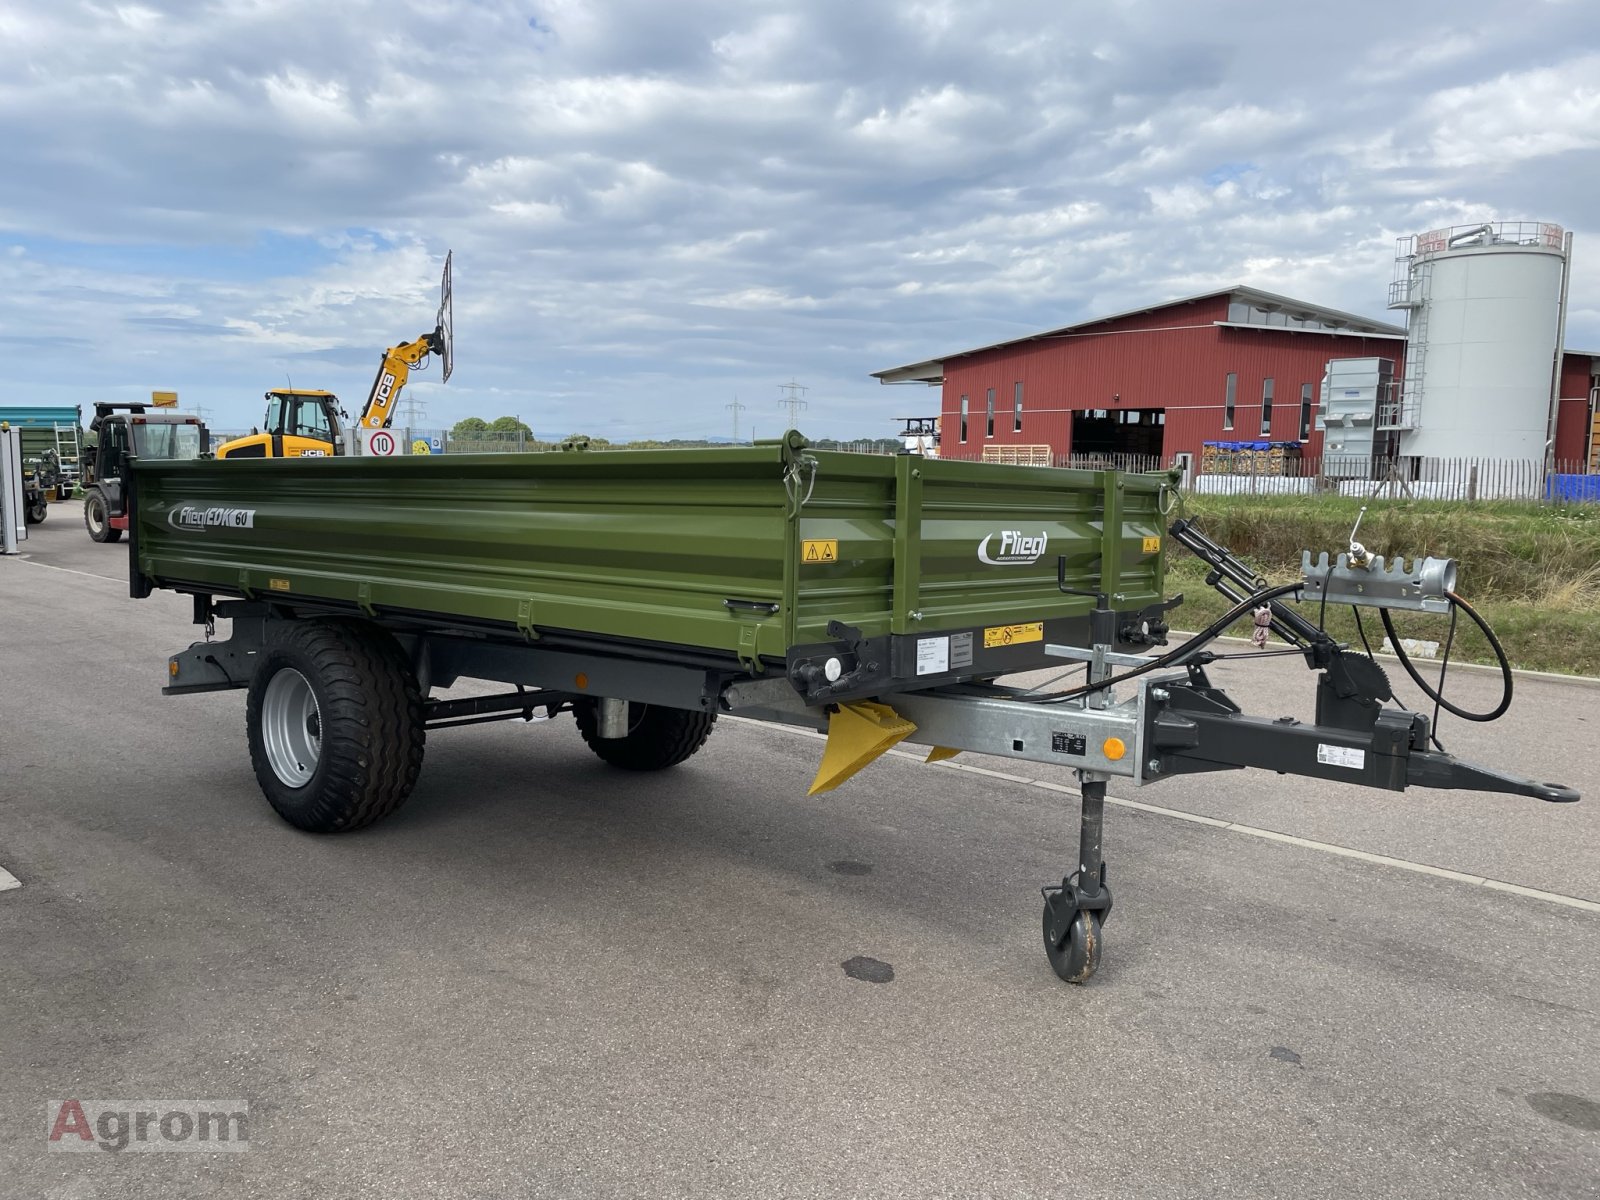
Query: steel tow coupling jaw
1192	728
1431	768
1401	739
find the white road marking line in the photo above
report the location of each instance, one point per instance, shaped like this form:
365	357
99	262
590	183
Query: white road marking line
1270	835
1534	893
86	574
1179	813
984	771
8	881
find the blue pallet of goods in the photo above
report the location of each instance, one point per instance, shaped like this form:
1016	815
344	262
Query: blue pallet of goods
1573	489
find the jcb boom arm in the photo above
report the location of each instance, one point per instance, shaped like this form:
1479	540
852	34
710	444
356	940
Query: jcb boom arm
393	374
399	361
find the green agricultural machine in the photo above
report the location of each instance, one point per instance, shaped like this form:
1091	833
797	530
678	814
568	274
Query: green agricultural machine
50	437
649	592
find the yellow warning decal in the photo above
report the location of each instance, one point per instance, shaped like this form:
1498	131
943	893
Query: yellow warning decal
1152	545
1010	635
819	550
278	585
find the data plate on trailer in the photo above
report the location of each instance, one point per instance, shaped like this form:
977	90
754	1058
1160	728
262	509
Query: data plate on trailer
960	650
1069	743
933	655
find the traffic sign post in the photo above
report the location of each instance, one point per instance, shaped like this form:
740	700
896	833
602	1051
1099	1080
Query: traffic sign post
380	443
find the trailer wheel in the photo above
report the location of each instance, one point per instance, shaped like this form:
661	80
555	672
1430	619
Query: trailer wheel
334	717
97	518
657	737
1076	956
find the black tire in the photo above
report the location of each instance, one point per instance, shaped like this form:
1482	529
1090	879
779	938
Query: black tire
1075	957
365	717
657	737
36	513
97	518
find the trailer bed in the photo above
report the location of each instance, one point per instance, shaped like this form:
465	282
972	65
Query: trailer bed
752	556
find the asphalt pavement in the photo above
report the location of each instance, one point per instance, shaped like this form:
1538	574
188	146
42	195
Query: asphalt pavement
542	977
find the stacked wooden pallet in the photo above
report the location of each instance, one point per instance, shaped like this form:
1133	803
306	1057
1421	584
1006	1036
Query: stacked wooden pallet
1250	458
1022	456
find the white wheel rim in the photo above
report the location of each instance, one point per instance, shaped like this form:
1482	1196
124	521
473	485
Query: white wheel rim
291	727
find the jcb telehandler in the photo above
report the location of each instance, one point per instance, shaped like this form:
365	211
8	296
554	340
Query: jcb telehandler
309	424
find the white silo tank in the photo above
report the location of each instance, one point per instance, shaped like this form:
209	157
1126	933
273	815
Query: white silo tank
1484	334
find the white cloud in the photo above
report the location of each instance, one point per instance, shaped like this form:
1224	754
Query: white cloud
654	207
1518	116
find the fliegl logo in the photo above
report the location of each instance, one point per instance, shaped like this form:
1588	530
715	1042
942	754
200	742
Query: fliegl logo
188	516
1014	548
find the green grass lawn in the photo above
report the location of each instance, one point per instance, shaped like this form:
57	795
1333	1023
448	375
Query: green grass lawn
1532	571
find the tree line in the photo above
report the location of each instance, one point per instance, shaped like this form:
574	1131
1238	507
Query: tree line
476	427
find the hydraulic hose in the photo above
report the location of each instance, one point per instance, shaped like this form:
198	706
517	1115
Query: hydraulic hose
1176	655
1436	697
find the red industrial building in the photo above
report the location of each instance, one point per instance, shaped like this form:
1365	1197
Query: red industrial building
1234	364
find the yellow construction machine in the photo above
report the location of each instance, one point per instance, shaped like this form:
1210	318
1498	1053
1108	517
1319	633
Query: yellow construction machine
309	424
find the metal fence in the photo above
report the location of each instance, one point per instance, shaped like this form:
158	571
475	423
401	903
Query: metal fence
488	443
1463	479
1112	462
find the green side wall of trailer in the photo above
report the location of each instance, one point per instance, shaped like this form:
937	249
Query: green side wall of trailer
652	545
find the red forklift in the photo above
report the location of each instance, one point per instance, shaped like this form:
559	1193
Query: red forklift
122	431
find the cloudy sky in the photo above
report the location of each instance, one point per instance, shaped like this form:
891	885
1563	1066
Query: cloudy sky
658	207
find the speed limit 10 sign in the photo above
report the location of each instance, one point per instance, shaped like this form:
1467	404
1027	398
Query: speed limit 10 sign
380	443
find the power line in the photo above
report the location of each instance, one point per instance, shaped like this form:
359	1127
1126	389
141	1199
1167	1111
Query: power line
794	400
413	410
736	408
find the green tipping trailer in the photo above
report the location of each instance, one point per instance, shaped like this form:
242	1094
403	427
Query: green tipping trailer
740	558
647	592
46	427
51	438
